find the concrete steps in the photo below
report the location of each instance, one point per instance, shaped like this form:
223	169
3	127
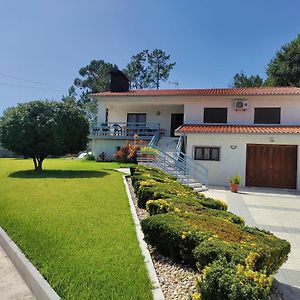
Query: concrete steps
167	145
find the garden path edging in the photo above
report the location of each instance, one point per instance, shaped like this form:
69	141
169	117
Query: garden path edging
156	290
32	277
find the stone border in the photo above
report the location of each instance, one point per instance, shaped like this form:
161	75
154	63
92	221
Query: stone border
32	277
156	289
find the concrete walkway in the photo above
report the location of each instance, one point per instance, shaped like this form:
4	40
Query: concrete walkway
277	211
12	286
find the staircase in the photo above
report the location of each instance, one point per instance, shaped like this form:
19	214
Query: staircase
168	144
172	160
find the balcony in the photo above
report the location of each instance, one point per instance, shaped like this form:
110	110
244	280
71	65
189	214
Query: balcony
123	130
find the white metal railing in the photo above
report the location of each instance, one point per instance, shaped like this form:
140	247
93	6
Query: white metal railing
180	165
124	129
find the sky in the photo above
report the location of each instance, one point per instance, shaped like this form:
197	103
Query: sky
44	43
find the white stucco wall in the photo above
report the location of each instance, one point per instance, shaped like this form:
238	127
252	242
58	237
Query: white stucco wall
233	161
118	113
107	146
290	108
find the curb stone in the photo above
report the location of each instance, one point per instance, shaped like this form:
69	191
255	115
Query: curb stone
156	290
32	277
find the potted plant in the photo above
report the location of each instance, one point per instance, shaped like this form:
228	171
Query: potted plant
148	152
234	183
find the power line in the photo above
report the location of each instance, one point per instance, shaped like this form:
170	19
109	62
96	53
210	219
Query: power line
30	87
31	81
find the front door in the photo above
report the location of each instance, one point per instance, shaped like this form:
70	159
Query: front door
176	121
271	166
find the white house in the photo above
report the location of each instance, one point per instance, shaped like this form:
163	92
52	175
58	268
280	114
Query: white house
254	132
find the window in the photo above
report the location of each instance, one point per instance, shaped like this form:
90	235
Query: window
136	118
207	153
267	115
215	115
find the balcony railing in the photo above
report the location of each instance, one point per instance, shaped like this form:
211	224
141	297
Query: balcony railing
124	129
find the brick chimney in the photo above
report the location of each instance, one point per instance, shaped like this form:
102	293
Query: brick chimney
118	81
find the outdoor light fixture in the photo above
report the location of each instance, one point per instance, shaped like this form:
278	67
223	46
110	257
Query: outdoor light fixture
233	147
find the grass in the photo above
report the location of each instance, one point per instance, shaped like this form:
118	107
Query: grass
73	222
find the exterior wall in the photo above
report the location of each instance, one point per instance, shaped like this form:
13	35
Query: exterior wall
118	113
233	161
106	145
290	107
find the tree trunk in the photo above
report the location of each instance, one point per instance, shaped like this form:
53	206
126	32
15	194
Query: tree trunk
38	163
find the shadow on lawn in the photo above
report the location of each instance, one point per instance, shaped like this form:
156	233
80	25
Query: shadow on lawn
57	174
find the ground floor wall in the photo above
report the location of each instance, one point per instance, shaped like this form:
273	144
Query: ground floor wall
107	146
233	151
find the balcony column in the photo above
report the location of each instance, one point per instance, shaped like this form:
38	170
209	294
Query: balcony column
101	115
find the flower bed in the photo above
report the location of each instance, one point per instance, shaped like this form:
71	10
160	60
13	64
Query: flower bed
200	231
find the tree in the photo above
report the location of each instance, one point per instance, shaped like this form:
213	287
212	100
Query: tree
147	69
95	78
240	80
71	97
136	70
158	67
284	68
38	129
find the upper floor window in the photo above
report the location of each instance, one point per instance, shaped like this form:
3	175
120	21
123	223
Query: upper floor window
136	118
215	115
267	115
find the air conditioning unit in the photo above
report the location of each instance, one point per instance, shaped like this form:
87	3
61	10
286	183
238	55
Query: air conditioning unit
240	104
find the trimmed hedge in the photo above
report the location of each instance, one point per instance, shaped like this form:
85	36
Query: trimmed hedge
235	260
189	226
228	281
199	239
153	184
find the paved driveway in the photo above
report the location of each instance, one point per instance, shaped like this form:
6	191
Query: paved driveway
277	211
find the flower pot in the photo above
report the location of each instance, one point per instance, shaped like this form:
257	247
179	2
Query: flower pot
146	155
234	187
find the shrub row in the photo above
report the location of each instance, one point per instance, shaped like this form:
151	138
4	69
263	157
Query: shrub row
153	184
199	239
200	231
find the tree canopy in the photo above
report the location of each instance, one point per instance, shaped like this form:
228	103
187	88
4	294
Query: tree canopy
38	129
145	70
148	69
242	80
283	69
95	77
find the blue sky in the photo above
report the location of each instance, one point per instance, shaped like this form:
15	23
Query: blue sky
48	41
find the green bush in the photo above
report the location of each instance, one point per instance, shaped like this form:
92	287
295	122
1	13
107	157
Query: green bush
168	185
213	237
171	236
212	249
228	281
155	207
199	230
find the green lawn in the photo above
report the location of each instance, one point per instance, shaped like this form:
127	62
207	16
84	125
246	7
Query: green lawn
75	226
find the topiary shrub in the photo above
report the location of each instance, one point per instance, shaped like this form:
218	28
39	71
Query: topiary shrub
227	281
212	203
171	236
155	207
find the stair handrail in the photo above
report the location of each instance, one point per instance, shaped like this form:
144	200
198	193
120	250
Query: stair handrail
180	162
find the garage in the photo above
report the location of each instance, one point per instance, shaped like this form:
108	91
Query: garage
272	166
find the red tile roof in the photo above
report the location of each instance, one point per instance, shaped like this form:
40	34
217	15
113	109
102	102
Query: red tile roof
271	129
206	92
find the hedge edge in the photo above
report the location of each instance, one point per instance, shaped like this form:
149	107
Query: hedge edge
156	288
40	288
